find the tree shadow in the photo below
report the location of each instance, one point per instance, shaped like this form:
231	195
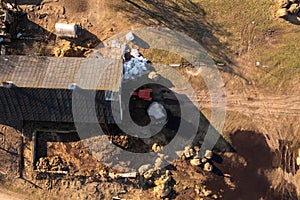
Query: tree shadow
293	19
182	16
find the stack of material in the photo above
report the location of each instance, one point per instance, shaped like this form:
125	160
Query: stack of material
136	66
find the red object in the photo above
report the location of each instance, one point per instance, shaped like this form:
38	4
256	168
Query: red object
144	94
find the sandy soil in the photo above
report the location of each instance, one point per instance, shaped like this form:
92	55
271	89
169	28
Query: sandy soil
9	195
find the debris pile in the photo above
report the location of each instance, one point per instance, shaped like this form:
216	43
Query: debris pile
52	164
135	65
192	154
163	186
68	49
288	7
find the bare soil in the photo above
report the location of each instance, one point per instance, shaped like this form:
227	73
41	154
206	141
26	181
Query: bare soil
262	102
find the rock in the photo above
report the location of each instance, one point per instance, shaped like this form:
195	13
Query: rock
298	161
149	174
43	164
189	152
144	168
282	12
205	192
195	161
208	154
153	76
204	160
103	173
283	3
208	167
156	147
163	185
294	9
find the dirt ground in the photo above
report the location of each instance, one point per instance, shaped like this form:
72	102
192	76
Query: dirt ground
263	111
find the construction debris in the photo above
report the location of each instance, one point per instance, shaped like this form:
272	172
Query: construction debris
124	175
52	164
156	147
163	185
135	65
195	161
208	167
189	152
7	22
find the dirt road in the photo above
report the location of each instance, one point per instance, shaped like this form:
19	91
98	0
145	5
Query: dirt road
9	195
258	104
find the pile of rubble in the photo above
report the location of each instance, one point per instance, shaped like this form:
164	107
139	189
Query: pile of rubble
51	164
135	65
192	154
287	7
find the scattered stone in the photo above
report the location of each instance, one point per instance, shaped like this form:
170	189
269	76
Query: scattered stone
195	161
103	173
149	174
208	167
156	147
163	185
51	164
205	192
153	76
204	160
298	161
144	168
294	9
283	3
189	152
208	154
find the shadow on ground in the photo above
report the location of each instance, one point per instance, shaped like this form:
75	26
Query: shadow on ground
250	181
183	16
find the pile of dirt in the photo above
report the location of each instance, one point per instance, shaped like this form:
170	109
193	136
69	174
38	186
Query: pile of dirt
68	49
52	164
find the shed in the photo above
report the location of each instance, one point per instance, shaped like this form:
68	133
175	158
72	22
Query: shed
40	89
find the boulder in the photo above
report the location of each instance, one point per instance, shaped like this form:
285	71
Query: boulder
208	154
156	147
283	3
208	167
189	152
163	185
282	12
294	9
298	161
195	161
153	76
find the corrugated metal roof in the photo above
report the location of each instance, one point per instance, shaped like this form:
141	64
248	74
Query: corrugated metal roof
58	73
53	105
